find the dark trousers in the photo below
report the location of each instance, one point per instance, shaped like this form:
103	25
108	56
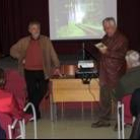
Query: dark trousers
106	100
135	134
135	110
135	103
37	87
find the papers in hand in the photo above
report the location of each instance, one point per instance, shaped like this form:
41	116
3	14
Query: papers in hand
100	46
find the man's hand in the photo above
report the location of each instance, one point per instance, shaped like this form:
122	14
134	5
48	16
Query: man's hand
57	72
24	61
103	50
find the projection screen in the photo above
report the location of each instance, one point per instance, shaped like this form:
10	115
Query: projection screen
79	19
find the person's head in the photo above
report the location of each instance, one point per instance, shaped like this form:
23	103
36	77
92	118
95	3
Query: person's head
132	59
110	26
34	29
2	78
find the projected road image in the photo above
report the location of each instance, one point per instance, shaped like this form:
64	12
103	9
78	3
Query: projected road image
80	18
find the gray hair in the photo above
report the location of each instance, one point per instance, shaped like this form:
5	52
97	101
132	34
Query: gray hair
34	22
111	20
133	58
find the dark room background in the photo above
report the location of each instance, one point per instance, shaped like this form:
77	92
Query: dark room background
16	14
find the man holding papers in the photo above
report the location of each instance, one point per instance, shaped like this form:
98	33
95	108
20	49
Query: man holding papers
112	66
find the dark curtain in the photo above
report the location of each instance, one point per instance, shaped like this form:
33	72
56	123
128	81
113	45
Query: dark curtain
129	21
16	14
10	23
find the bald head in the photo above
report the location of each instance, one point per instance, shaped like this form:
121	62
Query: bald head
110	26
133	59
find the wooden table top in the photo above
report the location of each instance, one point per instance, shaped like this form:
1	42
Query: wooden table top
73	90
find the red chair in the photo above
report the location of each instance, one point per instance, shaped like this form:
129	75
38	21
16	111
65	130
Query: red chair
124	115
127	113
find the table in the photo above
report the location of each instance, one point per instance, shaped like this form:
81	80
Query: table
72	90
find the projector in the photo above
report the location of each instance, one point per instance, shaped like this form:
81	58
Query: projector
86	64
86	71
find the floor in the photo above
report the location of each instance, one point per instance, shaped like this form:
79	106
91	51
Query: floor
76	128
71	127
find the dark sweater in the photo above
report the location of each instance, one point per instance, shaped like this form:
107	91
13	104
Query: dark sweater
128	83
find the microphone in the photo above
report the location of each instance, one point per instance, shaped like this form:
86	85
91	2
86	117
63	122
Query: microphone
84	55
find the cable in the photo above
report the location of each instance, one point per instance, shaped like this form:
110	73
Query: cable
91	92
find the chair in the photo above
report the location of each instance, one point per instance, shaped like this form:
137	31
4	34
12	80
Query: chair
33	118
120	120
22	123
124	116
15	128
12	127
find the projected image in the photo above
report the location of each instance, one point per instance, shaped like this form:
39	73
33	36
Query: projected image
72	19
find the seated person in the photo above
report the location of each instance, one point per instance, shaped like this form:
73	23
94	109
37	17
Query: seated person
15	84
135	110
135	103
8	103
131	80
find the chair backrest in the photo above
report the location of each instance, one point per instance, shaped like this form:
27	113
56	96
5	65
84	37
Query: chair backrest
15	84
127	113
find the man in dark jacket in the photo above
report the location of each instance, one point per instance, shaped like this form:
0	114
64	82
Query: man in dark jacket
112	68
135	110
131	80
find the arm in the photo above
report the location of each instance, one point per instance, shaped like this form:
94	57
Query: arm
15	50
15	110
118	51
54	56
55	60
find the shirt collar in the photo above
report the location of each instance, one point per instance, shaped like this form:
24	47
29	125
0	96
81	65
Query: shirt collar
133	69
34	39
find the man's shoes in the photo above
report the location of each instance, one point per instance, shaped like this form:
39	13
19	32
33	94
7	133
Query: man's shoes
38	115
100	124
94	124
116	127
125	126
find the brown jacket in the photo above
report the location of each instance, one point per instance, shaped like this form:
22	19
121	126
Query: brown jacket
50	58
113	64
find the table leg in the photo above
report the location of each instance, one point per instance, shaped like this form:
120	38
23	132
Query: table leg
51	108
55	111
62	110
92	110
83	115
